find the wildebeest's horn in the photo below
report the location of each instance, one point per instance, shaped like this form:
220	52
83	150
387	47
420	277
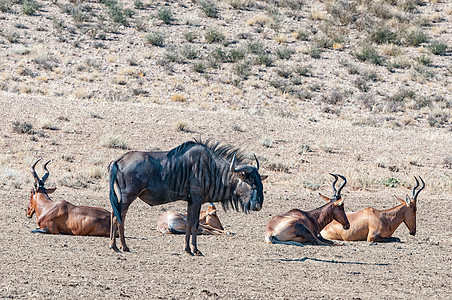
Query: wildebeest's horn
33	172
257	162
44	178
232	166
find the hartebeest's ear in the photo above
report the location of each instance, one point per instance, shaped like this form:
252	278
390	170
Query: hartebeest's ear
400	199
408	200
325	197
263	177
339	202
50	190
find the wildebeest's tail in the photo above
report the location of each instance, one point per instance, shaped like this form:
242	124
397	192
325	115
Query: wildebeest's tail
113	198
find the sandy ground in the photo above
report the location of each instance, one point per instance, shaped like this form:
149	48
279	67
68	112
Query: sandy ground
240	266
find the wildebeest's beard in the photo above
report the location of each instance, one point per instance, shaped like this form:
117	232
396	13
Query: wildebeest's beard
242	196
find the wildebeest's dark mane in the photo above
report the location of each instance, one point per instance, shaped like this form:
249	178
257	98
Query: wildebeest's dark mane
227	152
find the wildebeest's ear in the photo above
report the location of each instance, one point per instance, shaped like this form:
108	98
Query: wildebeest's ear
263	177
50	190
325	197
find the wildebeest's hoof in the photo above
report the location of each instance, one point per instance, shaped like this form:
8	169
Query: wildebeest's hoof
125	249
197	253
114	248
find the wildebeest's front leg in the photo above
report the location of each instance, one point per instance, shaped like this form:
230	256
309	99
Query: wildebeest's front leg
193	211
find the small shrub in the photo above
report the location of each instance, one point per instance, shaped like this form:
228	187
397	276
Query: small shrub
285	73
178	98
368	53
165	15
181	126
334	98
264	59
403	95
209	8
115	143
305	149
156	38
383	35
22	127
267	142
49	125
190	36
315	52
256	47
189	52
391	182
424	60
237	54
138	4
310	185
447	161
303	70
242	69
285	52
5	6
199	67
416	37
278	167
214	36
438	48
242	4
29	7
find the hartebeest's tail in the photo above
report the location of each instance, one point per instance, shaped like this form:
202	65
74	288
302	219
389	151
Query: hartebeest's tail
113	198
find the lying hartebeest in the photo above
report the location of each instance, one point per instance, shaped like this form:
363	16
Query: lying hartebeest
376	225
61	217
195	172
176	223
297	227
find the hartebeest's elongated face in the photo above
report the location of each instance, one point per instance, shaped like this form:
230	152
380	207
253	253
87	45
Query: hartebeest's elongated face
31	208
38	190
409	217
338	211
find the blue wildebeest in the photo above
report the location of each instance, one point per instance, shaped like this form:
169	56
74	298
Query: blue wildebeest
195	172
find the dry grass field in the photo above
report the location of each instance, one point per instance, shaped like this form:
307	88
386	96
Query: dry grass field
360	88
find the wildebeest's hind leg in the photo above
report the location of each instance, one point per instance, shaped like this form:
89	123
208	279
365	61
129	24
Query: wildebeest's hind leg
113	232
122	238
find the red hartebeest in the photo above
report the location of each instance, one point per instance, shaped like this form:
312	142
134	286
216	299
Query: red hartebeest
209	223
297	227
376	225
61	217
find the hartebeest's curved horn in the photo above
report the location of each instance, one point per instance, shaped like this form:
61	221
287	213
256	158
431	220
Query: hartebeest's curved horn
415	187
334	183
423	186
46	175
33	172
343	184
